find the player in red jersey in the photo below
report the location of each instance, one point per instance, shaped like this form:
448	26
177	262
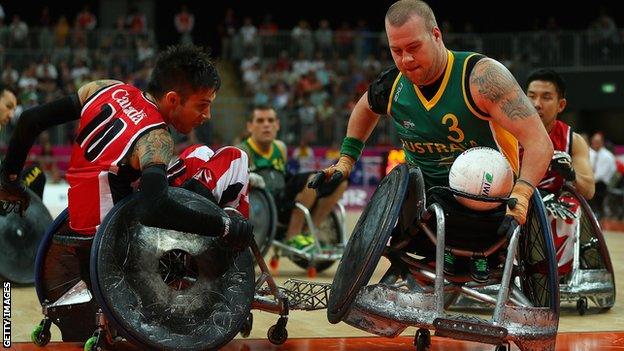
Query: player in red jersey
546	90
123	137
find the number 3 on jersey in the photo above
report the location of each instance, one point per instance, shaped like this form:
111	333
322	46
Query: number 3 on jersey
456	135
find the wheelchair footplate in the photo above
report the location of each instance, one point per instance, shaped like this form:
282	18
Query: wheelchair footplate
302	295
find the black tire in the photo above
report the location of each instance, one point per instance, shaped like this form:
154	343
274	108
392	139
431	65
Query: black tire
330	234
263	216
277	335
367	242
201	302
536	258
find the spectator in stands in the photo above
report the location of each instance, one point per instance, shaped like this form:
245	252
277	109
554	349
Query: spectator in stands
324	38
603	163
184	22
8	104
266	153
19	33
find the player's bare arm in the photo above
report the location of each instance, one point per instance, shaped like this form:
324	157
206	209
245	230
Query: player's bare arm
584	182
362	121
496	92
156	147
90	88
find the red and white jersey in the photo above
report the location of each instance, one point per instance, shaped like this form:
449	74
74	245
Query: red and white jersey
111	122
224	172
561	137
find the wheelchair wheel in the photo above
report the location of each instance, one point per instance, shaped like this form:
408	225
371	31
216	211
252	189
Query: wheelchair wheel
537	263
263	217
330	234
20	238
594	252
367	242
59	266
164	289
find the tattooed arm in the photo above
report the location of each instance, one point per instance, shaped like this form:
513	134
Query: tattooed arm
496	92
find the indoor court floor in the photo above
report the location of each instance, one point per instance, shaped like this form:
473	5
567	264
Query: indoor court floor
310	330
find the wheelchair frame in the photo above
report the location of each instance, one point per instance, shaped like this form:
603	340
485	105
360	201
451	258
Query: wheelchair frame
390	306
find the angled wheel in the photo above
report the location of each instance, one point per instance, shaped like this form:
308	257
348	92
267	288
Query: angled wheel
366	244
263	217
537	263
163	289
19	240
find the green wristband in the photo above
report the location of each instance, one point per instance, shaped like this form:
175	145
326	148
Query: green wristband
352	147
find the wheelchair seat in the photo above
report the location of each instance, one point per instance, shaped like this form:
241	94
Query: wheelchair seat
466	228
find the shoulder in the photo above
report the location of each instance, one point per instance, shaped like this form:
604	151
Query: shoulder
282	147
380	89
491	80
91	88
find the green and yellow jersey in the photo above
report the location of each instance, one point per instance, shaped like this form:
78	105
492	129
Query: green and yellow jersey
275	158
435	126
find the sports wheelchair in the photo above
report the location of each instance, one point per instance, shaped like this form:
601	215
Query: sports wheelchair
156	288
591	277
412	229
269	231
20	237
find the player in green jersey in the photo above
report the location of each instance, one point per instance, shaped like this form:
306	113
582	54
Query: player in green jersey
443	102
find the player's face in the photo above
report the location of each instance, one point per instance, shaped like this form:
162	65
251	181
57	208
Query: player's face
8	103
416	50
193	111
546	100
264	126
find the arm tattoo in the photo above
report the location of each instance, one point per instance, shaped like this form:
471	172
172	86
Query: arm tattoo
156	147
496	84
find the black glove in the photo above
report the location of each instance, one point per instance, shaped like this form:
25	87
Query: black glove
562	164
13	194
507	226
237	233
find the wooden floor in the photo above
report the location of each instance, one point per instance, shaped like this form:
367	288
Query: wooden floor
311	331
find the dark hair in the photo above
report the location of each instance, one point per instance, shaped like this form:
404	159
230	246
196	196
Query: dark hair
3	88
184	69
548	75
262	107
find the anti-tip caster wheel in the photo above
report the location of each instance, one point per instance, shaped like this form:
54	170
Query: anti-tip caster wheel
422	340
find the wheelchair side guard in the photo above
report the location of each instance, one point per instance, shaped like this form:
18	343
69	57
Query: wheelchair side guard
164	289
369	237
60	276
42	251
19	240
263	217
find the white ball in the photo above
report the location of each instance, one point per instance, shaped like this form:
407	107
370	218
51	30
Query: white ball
481	171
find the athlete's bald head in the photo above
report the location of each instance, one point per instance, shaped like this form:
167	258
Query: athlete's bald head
402	10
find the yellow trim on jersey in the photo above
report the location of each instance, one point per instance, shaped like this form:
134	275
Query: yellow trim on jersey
507	145
463	86
396	81
257	149
430	104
